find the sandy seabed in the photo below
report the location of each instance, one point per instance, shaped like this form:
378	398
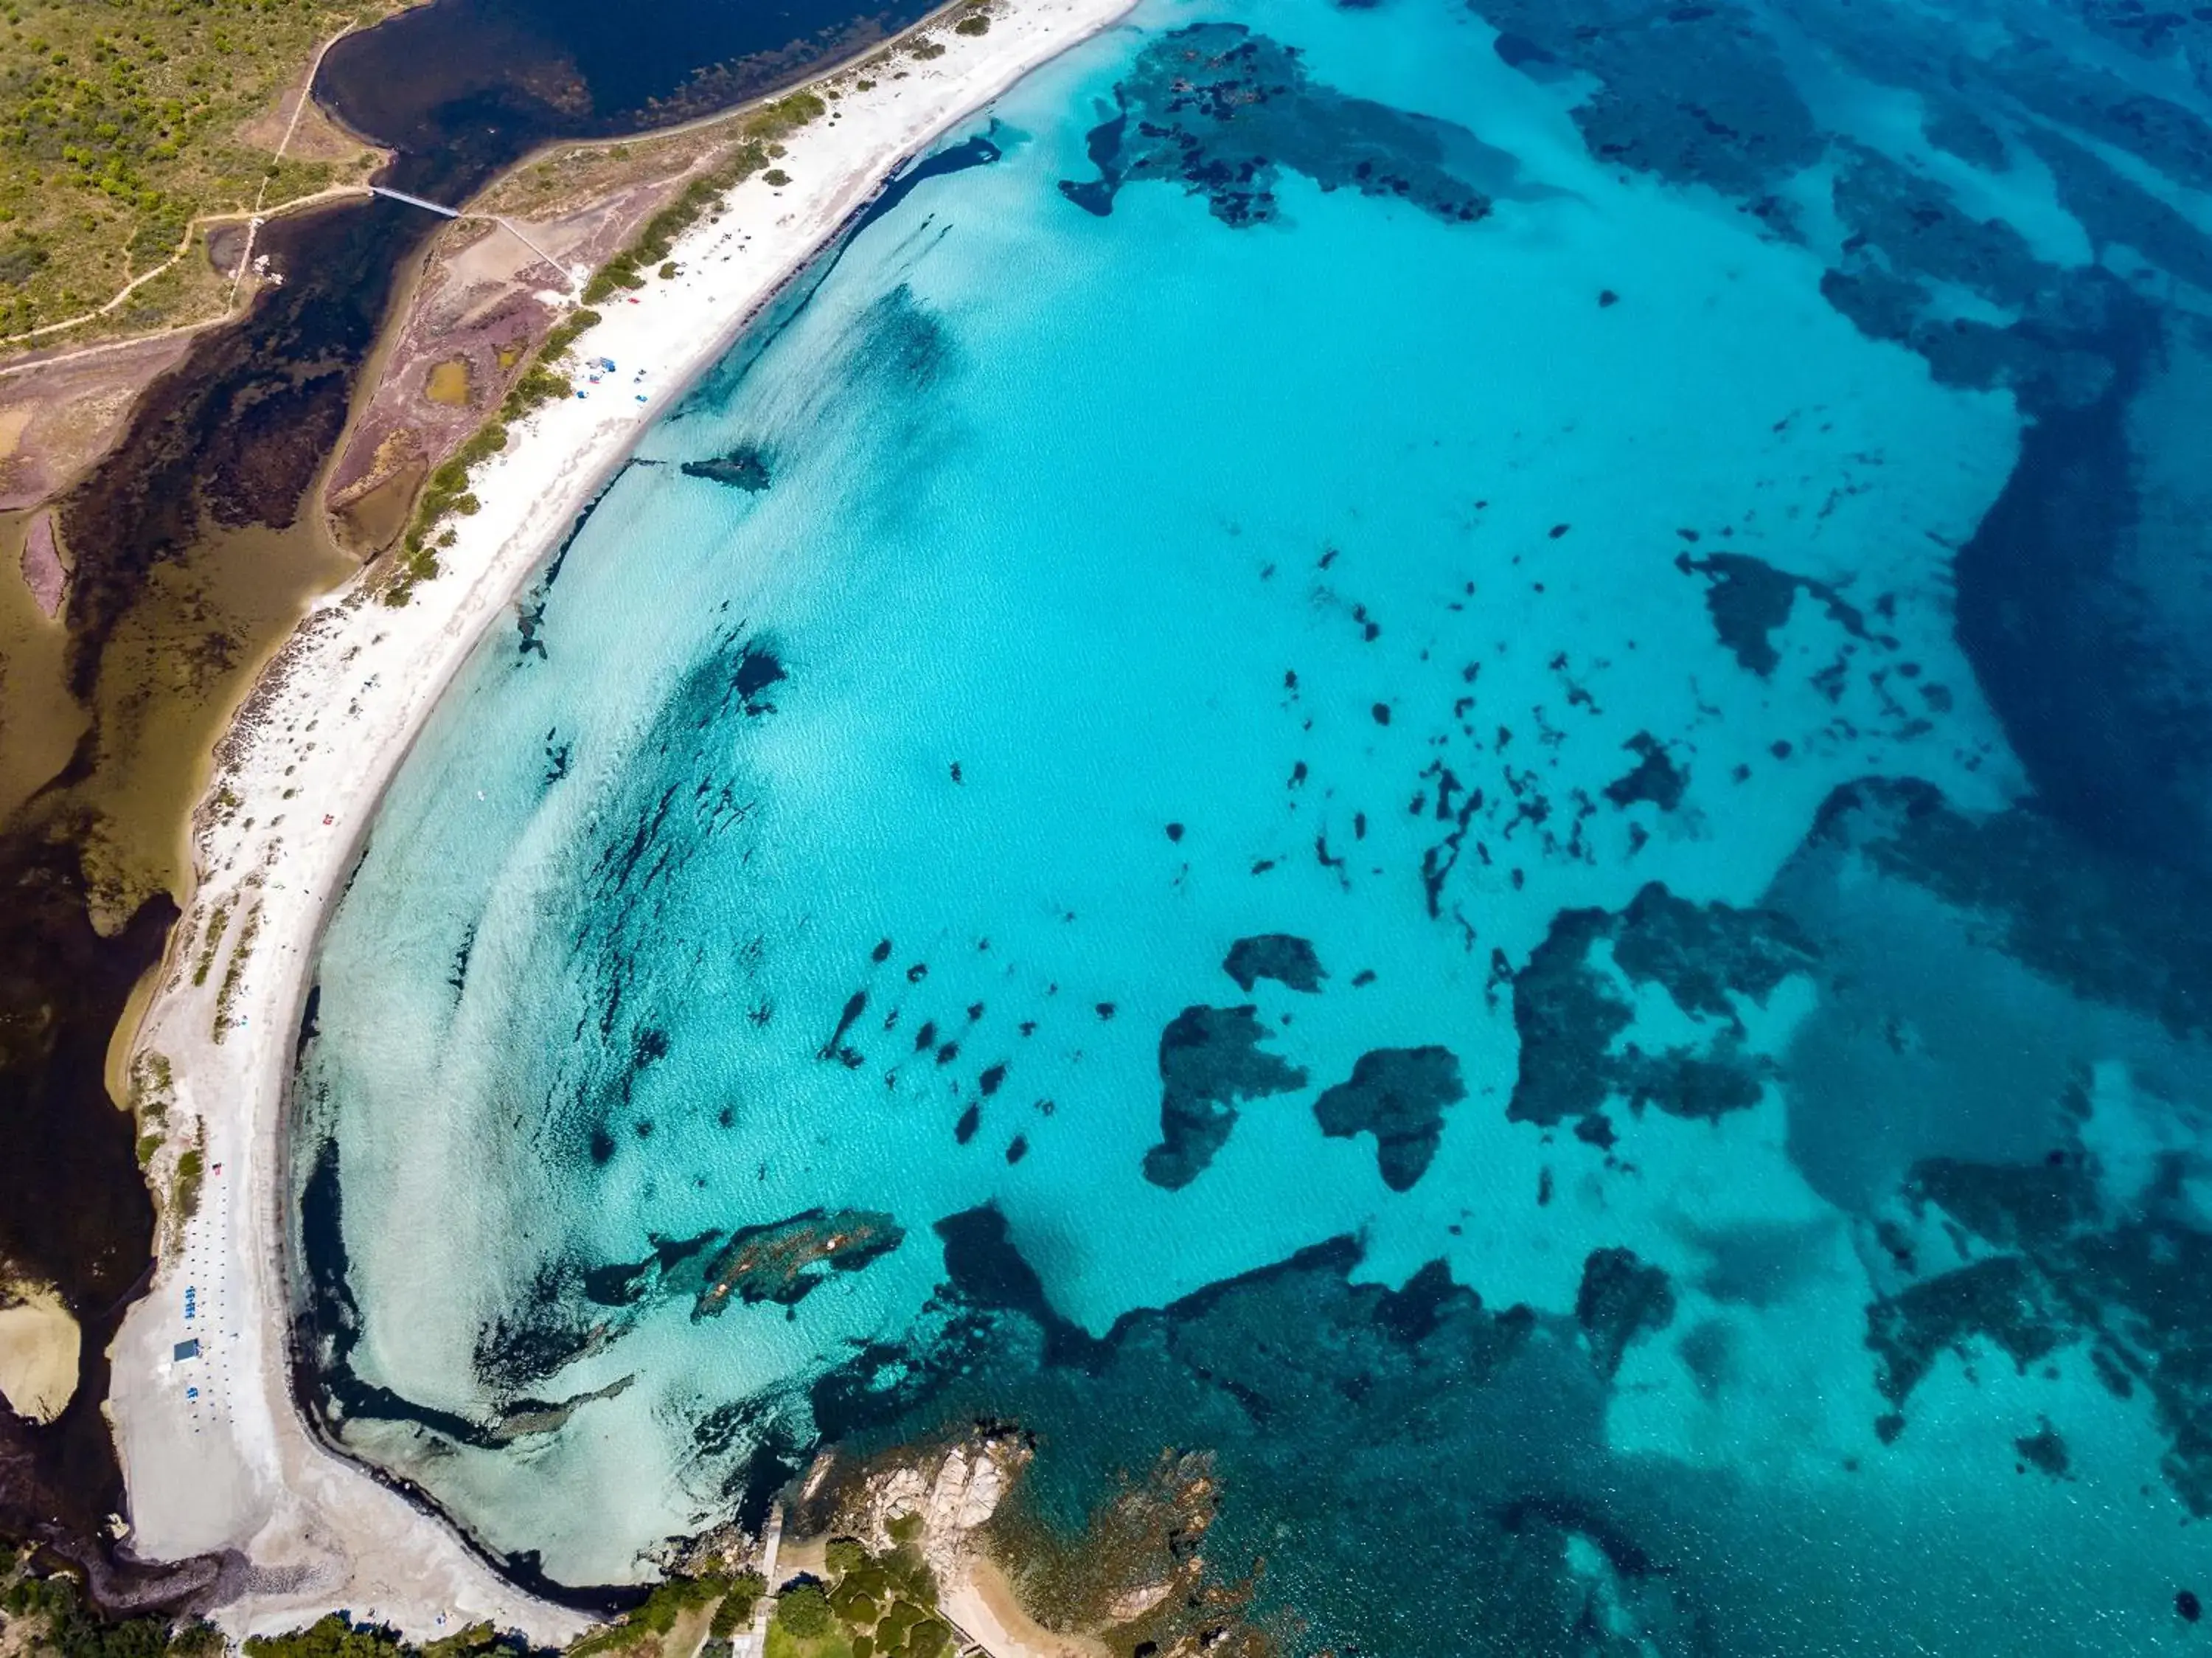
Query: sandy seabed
215	1455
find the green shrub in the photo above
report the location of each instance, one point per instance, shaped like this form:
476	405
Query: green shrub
330	1637
776	178
191	1169
974	23
804	1612
74	1629
198	1639
785	116
738	1598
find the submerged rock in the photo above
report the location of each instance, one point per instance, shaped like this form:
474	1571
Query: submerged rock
1225	111
1209	1060
2045	1449
1398	1095
1748	598
1696	94
744	468
1655	778
1578	1047
2000	1300
1621	1297
786	1261
1283	957
1297	1385
2078	1266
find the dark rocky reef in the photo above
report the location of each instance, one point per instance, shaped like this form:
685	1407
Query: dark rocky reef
1210	1061
1485	1426
1399	1096
1654	777
744	467
2045	1449
2060	955
1283	957
1569	1014
1621	1297
1696	94
786	1261
1749	597
1705	94
1907	237
1224	111
2131	1280
2107	929
2072	596
2000	1300
1922	231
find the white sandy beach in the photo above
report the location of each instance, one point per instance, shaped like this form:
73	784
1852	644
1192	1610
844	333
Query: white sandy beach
215	1453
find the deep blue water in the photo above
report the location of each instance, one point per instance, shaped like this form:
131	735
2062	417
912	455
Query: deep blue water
1450	752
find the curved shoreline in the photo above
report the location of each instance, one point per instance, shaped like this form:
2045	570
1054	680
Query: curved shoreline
235	1466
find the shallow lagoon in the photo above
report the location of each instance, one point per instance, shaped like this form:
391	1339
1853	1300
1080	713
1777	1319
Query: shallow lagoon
1392	697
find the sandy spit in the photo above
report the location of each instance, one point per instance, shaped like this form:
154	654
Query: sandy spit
214	1453
40	1344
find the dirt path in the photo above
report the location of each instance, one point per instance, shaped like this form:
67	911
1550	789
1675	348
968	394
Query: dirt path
253	218
300	104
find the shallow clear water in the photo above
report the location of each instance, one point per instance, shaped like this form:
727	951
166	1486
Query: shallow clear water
1365	688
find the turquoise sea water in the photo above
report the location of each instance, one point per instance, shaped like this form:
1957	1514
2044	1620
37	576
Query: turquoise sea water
1446	750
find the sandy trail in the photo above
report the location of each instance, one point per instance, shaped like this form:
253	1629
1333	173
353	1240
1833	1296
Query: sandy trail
214	1453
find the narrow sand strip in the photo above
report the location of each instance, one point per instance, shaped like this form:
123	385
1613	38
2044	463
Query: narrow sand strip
214	1451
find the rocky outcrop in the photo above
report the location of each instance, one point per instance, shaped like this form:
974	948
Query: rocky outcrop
953	1491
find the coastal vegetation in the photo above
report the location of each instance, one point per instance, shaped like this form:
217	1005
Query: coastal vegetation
47	1614
248	930
125	122
446	493
217	925
871	1604
152	1092
756	133
731	1594
336	1636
